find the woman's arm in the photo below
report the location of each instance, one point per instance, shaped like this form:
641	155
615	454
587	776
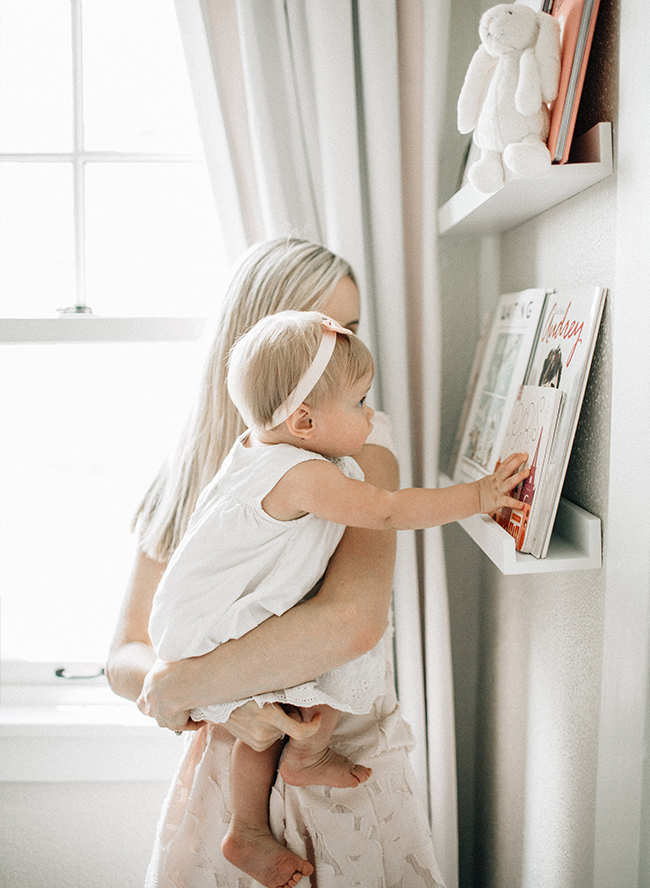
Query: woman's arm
131	654
346	618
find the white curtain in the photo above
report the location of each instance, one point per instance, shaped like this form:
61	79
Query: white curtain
300	102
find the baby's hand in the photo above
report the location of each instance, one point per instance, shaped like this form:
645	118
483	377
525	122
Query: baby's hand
494	489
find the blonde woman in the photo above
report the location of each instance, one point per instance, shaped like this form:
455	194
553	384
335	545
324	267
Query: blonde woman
261	536
373	833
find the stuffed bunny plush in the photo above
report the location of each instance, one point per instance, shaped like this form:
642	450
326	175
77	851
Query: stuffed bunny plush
511	78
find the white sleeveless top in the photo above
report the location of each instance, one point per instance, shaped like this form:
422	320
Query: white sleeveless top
236	566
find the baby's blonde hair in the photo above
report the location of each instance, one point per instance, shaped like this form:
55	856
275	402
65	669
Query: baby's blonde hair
285	273
269	361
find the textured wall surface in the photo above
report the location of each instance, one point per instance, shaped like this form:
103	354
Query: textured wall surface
539	643
77	835
528	650
541	639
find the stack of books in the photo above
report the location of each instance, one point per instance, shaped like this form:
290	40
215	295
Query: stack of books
524	395
577	20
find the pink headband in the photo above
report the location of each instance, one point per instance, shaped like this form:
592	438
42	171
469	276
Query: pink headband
305	385
311	375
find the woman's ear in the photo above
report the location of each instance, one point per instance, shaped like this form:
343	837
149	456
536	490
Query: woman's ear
301	422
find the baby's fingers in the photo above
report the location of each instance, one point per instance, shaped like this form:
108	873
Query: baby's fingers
511	482
292	726
510	464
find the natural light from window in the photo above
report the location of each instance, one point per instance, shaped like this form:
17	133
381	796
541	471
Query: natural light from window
107	204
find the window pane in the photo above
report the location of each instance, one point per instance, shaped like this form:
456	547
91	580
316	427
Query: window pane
35	76
153	242
36	239
84	429
136	88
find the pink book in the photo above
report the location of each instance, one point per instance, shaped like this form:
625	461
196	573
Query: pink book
577	22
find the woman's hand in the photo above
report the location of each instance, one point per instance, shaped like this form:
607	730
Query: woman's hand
155	703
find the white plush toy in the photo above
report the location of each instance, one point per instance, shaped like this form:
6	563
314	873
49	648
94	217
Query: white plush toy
510	80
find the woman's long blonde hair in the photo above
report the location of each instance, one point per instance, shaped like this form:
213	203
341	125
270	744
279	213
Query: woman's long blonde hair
287	273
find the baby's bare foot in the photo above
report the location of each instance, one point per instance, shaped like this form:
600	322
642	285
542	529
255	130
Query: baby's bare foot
260	856
326	769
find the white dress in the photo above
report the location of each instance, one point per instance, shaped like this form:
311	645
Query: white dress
373	836
236	566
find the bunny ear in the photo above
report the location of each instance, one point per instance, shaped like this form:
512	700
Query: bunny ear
477	79
528	95
547	52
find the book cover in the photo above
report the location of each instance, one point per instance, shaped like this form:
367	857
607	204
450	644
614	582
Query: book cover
510	344
477	363
577	20
532	429
562	359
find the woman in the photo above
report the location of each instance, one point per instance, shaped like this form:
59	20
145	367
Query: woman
371	835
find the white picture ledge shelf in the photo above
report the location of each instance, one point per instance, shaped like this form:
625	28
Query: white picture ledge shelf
471	212
575	544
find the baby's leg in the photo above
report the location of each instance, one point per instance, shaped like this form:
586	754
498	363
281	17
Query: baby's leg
249	843
311	762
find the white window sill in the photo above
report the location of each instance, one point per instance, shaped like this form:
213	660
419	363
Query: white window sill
92	328
50	737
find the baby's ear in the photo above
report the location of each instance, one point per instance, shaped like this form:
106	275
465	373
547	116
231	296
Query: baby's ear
301	422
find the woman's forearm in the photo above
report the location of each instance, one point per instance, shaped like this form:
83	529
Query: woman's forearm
131	654
127	667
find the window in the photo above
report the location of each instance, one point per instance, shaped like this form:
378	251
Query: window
109	247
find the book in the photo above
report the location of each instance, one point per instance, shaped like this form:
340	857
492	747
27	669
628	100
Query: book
562	359
532	429
540	339
510	343
477	363
577	20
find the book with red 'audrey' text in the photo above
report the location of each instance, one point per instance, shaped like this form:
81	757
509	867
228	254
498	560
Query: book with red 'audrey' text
562	359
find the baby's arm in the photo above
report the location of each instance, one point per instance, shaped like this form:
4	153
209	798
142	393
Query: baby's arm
320	488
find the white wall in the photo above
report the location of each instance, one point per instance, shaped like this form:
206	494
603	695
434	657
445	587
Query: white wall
552	671
541	637
77	835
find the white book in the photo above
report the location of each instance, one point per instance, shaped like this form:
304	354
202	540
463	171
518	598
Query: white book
532	429
562	359
510	344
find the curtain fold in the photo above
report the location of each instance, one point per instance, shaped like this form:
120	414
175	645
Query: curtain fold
305	132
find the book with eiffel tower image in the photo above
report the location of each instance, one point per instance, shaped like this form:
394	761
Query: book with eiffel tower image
532	429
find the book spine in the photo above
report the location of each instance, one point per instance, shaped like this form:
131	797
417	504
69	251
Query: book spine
559	142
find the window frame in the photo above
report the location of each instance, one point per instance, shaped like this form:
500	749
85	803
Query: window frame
78	159
54	684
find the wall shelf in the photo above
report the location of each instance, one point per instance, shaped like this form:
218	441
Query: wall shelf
575	544
470	212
